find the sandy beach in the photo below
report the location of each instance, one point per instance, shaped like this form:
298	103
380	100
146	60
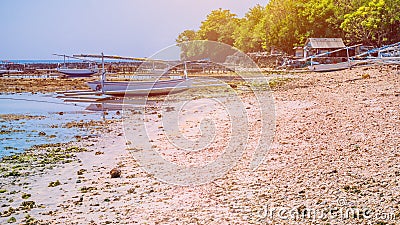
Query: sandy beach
335	151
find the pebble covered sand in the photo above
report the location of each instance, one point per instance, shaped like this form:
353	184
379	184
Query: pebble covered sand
335	159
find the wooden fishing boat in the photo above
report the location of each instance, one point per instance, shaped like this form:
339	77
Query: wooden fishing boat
318	67
161	85
329	67
158	87
77	72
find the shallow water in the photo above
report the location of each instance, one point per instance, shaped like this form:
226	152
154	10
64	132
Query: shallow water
50	114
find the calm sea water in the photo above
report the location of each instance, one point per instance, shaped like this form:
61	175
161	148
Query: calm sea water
56	61
19	135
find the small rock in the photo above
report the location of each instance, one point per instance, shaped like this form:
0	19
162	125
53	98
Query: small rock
81	171
366	76
54	183
115	173
42	133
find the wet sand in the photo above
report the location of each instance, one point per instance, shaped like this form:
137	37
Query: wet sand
336	146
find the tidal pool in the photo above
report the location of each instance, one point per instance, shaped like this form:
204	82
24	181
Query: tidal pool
33	119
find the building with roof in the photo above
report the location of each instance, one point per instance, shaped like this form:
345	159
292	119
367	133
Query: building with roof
316	46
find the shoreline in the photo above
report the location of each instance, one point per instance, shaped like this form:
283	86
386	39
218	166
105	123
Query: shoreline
337	138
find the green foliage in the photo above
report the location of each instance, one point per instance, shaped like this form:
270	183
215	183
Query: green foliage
283	24
375	22
219	26
248	36
198	50
187	35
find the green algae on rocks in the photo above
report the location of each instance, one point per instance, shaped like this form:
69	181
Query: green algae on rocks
40	157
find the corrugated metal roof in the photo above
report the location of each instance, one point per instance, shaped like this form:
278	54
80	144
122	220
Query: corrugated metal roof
325	43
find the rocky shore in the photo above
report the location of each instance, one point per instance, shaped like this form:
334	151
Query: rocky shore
335	159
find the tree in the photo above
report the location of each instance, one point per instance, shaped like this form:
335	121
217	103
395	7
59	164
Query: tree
373	23
187	35
248	37
283	24
320	20
219	26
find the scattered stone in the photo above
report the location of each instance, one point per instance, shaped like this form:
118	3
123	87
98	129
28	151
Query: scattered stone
81	171
131	190
115	173
366	76
8	212
26	196
85	189
11	220
54	183
28	204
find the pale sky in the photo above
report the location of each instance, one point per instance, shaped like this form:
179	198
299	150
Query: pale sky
35	29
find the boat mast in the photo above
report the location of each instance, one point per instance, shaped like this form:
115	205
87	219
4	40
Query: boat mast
185	71
103	72
348	57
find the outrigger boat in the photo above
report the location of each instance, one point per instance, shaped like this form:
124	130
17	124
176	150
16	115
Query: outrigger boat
329	67
388	54
317	67
158	86
77	72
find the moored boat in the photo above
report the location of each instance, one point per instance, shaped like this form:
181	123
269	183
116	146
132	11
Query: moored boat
77	72
329	67
159	86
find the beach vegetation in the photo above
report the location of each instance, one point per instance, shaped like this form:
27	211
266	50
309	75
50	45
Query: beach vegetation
284	24
39	156
278	82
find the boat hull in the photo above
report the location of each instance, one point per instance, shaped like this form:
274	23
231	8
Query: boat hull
77	72
9	71
329	67
141	88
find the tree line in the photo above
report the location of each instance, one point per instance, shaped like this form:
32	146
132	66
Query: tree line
284	24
